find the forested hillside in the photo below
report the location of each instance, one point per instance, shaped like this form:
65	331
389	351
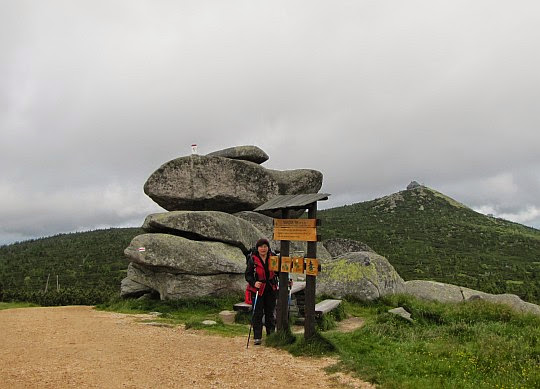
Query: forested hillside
81	268
427	235
424	234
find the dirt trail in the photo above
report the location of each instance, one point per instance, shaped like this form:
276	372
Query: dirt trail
77	346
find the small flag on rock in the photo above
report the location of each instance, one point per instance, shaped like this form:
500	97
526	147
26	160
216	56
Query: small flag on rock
141	249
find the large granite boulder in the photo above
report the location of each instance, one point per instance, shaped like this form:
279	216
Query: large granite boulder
177	255
244	153
177	286
448	293
340	246
201	183
206	183
205	225
364	275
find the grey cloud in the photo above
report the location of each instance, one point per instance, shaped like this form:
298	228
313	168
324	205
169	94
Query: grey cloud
95	95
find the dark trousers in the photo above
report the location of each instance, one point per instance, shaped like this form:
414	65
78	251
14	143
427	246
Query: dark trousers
266	305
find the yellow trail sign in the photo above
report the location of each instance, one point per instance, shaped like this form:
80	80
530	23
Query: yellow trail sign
295	223
298	265
286	263
306	234
273	264
312	266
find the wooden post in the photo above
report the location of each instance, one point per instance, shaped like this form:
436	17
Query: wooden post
282	322
309	322
47	284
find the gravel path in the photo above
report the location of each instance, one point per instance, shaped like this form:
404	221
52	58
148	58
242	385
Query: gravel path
78	346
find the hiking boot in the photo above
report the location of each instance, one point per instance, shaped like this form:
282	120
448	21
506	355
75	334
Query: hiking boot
257	342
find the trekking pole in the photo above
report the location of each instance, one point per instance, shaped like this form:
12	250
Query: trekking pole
289	302
252	314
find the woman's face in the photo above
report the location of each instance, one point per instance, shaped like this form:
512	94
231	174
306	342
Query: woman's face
263	250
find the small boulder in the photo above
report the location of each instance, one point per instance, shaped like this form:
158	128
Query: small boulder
227	317
245	153
401	312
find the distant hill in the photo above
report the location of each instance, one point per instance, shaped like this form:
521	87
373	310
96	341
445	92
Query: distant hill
423	233
427	235
87	265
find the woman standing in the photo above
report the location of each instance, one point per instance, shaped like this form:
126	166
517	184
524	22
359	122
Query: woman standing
264	281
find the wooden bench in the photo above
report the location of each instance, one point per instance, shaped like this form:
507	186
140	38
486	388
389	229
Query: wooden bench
326	306
244	307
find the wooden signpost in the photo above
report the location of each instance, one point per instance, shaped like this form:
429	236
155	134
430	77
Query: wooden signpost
286	230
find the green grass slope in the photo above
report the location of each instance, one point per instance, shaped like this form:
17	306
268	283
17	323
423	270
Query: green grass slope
427	235
88	266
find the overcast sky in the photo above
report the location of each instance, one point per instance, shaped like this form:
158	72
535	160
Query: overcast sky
96	95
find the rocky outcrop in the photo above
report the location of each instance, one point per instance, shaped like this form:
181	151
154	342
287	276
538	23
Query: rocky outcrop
203	183
244	153
340	246
205	225
413	185
364	275
197	249
448	293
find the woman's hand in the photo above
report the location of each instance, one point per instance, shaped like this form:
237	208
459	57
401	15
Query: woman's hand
258	284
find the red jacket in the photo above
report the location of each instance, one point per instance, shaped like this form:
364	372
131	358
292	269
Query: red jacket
255	272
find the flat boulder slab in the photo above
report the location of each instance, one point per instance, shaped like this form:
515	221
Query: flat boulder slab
364	275
432	290
175	286
340	246
178	255
205	226
244	153
448	293
202	183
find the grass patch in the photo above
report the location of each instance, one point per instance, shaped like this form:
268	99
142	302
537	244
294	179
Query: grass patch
468	345
16	305
280	339
189	312
316	346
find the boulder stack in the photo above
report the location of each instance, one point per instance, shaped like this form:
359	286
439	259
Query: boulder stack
198	248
